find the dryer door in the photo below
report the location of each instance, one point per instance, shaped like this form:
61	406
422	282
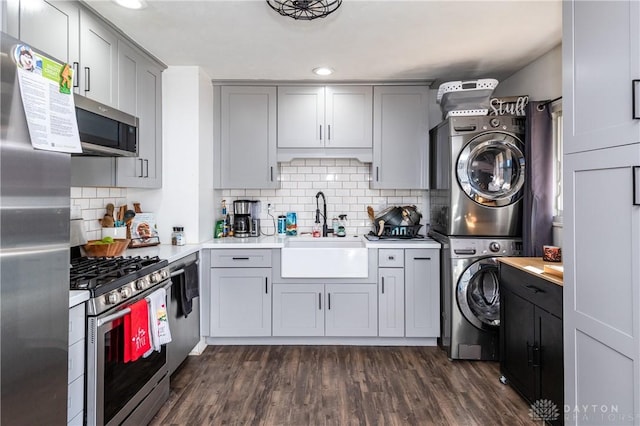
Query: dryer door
490	169
478	294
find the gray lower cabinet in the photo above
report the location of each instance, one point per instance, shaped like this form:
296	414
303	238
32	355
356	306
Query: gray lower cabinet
391	301
303	310
75	405
400	137
240	293
248	137
422	292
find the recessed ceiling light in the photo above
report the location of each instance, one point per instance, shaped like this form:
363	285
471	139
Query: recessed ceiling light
323	71
132	4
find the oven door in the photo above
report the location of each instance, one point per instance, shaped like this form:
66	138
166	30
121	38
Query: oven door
115	388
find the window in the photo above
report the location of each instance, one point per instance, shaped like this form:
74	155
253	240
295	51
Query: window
556	117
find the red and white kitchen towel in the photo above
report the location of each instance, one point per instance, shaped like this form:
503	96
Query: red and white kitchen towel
146	327
158	320
137	341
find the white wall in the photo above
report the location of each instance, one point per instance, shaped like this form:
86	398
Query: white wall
187	184
541	79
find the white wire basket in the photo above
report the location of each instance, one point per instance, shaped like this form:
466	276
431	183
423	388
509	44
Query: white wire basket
466	97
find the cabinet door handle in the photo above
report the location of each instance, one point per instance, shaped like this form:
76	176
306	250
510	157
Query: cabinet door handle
382	285
329	301
328	132
535	356
141	167
147	168
377	174
635	86
529	354
636	185
321	132
266	285
534	289
319	301
87	77
271	173
76	77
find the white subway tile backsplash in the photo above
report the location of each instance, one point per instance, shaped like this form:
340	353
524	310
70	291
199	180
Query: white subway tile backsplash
89	193
345	183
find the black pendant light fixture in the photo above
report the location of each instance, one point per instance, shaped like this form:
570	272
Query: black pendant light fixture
304	9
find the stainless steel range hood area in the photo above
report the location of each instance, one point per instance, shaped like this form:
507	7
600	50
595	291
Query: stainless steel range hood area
104	130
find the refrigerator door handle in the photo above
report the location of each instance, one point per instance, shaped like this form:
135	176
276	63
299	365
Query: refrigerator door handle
635	86
636	185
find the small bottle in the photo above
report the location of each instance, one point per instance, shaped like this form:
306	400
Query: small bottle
335	224
282	224
177	236
225	218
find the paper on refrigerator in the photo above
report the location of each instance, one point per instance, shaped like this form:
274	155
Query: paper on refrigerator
47	98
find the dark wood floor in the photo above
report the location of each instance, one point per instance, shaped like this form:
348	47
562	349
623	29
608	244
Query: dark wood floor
338	385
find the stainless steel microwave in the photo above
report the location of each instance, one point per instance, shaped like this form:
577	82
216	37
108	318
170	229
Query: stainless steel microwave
105	131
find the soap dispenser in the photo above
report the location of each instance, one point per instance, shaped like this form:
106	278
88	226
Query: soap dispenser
342	225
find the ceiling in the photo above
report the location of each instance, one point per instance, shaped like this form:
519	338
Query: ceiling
363	40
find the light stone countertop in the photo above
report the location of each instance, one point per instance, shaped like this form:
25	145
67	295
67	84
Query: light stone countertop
280	242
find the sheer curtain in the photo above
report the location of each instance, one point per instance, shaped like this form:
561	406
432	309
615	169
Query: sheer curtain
537	214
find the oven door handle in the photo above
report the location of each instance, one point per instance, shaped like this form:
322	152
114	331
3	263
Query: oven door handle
112	317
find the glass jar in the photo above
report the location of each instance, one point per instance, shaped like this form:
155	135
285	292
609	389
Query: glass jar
177	236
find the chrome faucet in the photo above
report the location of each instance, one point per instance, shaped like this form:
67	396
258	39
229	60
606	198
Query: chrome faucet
325	228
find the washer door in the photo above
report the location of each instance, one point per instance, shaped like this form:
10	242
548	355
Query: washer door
478	294
490	169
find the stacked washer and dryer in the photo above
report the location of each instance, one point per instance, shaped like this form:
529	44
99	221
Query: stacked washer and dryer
477	183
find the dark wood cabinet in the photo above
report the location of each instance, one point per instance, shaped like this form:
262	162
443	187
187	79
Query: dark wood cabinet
531	342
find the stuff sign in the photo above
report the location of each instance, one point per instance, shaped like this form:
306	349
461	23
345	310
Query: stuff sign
514	105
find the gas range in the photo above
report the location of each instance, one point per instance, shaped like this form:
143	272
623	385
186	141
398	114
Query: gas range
112	281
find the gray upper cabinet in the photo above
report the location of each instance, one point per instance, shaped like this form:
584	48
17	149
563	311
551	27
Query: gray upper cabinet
601	58
98	60
248	137
140	94
50	26
400	137
316	120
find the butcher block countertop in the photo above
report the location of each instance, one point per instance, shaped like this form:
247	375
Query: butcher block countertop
535	266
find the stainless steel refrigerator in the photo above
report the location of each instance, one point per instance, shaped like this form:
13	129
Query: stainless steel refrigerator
34	266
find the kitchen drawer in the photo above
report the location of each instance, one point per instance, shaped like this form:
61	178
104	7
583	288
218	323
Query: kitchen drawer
536	290
76	323
241	258
76	360
391	258
75	399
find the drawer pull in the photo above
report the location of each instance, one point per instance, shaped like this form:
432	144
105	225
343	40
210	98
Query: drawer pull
422	258
534	289
240	258
392	257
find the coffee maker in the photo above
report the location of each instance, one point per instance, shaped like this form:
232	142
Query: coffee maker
242	218
246	222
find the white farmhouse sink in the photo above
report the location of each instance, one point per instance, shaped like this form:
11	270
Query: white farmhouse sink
331	257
